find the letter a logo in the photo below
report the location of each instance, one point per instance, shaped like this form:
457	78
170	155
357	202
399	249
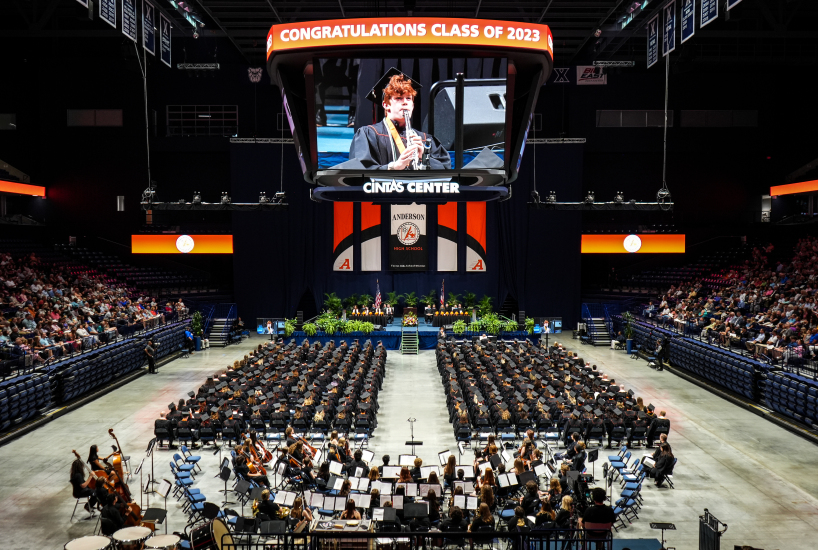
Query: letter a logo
478	266
345	265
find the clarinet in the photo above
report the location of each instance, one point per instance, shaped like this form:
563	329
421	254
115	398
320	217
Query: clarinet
409	133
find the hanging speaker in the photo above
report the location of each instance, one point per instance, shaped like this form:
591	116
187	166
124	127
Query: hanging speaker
484	116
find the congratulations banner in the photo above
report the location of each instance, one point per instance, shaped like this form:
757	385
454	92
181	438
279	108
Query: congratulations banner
475	237
408	249
447	237
370	236
342	236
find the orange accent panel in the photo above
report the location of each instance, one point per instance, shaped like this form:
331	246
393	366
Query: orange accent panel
22	188
342	226
166	244
370	215
447	215
651	243
476	221
793	188
434	31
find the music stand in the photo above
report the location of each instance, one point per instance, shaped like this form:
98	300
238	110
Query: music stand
592	457
664	527
152	480
139	471
224	473
412	428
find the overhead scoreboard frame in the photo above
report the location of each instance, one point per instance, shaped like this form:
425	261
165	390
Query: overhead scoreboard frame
293	47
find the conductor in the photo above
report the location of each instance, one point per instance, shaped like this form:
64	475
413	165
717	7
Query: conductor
385	145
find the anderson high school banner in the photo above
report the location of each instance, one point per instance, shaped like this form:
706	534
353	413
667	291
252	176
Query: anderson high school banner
408	247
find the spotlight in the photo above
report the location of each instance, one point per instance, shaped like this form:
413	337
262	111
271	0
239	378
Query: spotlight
535	197
280	197
551	198
197	197
262	198
589	197
619	197
225	198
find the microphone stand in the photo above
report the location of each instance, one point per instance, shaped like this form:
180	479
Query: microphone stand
412	432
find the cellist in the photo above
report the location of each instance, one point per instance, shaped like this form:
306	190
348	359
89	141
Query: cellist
81	488
242	466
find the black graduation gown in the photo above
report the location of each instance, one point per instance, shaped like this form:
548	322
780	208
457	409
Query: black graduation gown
372	147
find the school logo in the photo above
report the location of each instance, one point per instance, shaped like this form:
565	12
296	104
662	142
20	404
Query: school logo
408	233
632	243
185	244
561	75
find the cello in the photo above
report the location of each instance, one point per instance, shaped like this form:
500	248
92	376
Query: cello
96	476
130	510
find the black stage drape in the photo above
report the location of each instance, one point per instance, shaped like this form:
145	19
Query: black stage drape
532	255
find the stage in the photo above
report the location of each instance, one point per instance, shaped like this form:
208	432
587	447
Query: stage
427	336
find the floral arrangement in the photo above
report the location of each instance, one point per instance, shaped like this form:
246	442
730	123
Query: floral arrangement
410	320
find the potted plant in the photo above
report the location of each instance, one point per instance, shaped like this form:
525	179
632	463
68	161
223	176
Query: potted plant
310	329
366	300
411	301
484	306
392	298
197	328
628	318
511	326
289	327
333	303
452	299
459	326
529	325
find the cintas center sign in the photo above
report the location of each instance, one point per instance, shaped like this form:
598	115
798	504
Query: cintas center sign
417	187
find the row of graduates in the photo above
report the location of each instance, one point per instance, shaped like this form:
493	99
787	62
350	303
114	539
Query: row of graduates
307	386
518	386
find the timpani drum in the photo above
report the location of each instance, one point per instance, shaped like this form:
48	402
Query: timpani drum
210	536
162	542
132	538
94	542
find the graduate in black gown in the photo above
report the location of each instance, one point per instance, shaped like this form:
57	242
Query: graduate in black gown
375	146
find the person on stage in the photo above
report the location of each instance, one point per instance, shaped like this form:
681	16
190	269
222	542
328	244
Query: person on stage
384	145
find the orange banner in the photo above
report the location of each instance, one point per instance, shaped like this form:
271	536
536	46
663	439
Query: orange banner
409	31
22	188
793	188
182	244
633	244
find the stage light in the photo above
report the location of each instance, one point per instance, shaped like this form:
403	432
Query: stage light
663	198
262	198
225	198
619	198
589	197
280	197
535	197
551	198
197	197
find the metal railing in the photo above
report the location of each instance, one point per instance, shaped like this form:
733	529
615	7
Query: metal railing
546	539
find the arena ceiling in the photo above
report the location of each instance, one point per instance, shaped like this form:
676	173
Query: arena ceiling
779	32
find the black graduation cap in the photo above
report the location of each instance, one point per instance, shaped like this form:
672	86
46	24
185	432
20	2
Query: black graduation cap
484	408
588	408
201	400
191	394
172	406
598	412
222	402
214	409
525	408
618	412
651	407
542	400
580	400
365	395
363	405
255	408
586	389
551	389
642	415
211	391
629	403
575	413
560	399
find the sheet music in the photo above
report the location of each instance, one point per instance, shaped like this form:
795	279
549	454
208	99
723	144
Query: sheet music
377	514
385	499
335	467
391	472
318	454
426	470
406	460
468	470
502	479
382	487
363	484
468	486
410	489
367	456
542	470
471	503
358	472
460	501
316	500
425	487
505	455
397	502
164	488
362	500
340	504
444	457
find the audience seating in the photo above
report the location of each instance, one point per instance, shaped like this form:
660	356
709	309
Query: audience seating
792	395
737	374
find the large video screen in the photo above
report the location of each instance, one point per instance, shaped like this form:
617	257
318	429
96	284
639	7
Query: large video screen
382	114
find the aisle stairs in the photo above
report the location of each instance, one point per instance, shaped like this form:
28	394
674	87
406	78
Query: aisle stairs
219	330
409	340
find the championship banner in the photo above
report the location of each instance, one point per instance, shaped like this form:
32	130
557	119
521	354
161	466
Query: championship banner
591	76
653	41
370	236
709	12
148	32
342	236
669	38
407	238
129	19
447	237
475	237
688	20
732	4
164	39
107	11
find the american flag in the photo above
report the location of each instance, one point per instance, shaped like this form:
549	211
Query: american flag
442	293
377	295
